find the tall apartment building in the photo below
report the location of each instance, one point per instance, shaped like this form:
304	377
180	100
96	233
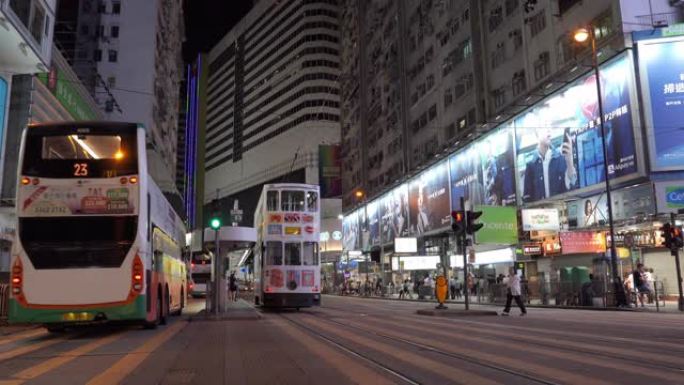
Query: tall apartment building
420	78
128	53
272	100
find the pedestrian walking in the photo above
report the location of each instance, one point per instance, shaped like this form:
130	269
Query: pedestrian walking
513	285
232	286
452	287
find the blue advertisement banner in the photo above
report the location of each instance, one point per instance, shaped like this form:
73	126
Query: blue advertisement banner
662	69
559	146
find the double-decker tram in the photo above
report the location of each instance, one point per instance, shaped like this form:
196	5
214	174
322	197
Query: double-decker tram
287	271
96	239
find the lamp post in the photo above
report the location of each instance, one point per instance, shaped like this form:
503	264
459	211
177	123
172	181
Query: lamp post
581	36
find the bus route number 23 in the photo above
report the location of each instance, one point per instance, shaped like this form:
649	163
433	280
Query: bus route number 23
80	169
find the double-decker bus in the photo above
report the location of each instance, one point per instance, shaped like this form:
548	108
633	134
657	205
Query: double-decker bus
96	239
287	271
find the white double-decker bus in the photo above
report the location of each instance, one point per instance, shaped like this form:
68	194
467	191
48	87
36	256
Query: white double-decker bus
96	239
287	271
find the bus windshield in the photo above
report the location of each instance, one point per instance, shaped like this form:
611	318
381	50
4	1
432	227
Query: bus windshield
76	155
77	242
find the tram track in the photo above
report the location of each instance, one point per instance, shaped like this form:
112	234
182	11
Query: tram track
639	361
406	378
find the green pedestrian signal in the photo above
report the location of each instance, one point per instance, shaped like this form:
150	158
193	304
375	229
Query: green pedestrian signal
215	223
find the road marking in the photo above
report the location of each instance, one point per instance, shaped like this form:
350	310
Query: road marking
132	360
63	358
28	348
20	336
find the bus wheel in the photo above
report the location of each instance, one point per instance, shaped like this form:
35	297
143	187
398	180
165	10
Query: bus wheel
153	324
182	304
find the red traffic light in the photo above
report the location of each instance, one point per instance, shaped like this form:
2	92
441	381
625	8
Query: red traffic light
457	216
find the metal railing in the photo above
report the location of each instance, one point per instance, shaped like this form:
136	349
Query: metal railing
4	300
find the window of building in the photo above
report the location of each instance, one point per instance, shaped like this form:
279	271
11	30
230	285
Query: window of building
87	6
97	55
430	81
499	97
116	7
542	66
511	6
100	31
112	56
102	7
38	20
516	36
429	54
565	5
423	121
111	82
518	83
114	31
495	18
499	55
537	23
462	123
432	112
465	16
293	253
448	97
85	30
312	199
274	253
272	200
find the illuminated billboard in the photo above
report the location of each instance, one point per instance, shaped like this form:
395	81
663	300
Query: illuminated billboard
394	214
429	200
661	63
559	146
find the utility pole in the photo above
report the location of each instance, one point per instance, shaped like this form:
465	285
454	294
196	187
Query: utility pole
464	244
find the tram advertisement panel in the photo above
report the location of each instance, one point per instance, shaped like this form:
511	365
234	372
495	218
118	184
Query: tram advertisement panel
559	147
429	200
47	201
483	173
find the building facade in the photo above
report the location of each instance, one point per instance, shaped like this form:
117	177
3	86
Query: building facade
529	155
128	54
272	105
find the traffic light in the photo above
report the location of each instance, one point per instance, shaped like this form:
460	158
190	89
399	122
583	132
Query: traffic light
471	226
457	222
215	223
666	234
677	238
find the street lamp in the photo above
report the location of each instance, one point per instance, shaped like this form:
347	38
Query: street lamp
581	36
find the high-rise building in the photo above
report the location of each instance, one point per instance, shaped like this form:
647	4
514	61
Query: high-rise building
420	78
272	103
128	53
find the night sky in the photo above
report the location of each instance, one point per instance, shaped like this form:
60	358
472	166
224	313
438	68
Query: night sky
207	21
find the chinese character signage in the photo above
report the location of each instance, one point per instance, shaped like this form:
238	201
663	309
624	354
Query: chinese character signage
540	220
559	146
429	200
44	201
662	76
583	242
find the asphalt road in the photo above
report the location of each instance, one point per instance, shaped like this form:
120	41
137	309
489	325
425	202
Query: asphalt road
353	340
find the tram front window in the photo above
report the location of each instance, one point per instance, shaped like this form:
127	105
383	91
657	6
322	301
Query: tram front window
293	254
272	200
292	200
310	254
274	253
312	201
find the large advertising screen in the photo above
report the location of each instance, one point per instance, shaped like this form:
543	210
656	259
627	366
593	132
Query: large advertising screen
394	214
429	200
373	223
661	63
559	147
350	232
483	173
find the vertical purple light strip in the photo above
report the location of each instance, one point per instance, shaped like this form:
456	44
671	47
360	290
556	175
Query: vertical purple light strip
187	129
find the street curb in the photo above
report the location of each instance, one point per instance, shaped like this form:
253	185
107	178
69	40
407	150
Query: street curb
634	310
455	313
